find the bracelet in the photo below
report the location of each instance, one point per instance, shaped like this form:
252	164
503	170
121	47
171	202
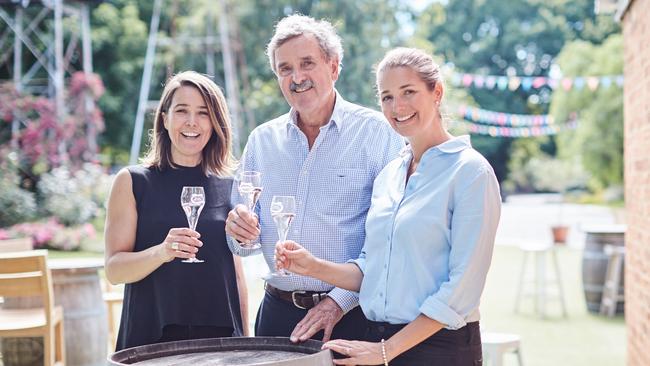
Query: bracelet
383	352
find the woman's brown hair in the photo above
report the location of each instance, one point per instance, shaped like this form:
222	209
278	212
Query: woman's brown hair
217	155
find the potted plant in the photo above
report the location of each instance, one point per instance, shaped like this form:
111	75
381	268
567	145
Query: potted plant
560	176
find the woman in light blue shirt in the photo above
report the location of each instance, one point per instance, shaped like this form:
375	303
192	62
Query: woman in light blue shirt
429	234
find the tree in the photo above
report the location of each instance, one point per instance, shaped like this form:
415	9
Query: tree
119	39
598	140
367	27
516	37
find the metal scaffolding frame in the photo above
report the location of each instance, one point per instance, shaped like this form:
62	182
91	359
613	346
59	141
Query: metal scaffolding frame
52	58
229	57
46	45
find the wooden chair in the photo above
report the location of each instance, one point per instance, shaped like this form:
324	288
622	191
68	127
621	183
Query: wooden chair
112	297
25	274
612	290
16	245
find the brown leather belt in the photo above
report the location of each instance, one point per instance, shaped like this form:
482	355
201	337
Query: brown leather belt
300	299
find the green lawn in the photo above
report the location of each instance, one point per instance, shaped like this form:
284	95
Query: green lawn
580	339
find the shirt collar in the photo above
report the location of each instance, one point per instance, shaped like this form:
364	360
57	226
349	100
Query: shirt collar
455	145
336	117
450	146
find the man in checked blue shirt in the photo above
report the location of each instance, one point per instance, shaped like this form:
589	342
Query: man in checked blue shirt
326	152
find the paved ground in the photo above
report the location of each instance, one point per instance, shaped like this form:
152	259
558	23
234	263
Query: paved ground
530	217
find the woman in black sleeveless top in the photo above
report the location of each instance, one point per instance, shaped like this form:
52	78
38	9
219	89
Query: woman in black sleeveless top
147	233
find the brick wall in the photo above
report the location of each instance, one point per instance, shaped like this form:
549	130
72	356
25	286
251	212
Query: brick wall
636	32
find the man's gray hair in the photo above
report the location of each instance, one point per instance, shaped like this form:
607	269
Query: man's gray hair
296	25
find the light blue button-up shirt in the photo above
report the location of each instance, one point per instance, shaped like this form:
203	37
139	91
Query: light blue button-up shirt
429	242
332	184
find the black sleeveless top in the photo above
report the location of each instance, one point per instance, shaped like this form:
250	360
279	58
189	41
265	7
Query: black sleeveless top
180	293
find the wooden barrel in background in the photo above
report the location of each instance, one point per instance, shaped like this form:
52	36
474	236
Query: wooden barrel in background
244	351
594	263
77	289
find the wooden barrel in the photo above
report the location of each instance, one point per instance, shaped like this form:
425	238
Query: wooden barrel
245	351
594	263
77	289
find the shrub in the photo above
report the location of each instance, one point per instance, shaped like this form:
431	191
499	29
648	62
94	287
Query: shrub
16	204
74	198
51	234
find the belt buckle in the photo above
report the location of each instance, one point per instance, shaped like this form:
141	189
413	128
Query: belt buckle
316	298
293	299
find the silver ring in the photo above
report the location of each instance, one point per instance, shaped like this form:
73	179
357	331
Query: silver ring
174	245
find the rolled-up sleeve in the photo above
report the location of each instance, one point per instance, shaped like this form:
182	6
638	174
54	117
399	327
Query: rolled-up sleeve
360	261
474	223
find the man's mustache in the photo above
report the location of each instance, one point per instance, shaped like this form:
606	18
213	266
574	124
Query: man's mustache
302	86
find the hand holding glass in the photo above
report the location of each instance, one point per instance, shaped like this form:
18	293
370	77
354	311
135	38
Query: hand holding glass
250	188
192	201
283	210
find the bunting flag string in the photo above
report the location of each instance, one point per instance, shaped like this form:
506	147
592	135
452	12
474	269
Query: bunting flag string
528	131
484	116
527	83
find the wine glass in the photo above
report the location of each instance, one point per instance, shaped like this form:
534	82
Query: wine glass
250	188
192	201
283	210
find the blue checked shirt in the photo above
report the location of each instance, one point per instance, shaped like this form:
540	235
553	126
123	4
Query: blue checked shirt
332	184
429	242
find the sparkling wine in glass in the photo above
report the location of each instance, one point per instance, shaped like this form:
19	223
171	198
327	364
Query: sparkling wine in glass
192	201
283	210
250	188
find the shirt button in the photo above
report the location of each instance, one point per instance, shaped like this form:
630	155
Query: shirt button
381	294
385	266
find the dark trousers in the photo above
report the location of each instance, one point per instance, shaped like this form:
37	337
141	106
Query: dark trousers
278	318
460	347
175	332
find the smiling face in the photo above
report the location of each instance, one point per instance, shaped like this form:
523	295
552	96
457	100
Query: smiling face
188	124
306	77
408	103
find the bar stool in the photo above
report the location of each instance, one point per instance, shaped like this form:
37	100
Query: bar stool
539	251
611	297
495	345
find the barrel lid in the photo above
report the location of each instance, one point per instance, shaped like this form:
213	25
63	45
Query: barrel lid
206	349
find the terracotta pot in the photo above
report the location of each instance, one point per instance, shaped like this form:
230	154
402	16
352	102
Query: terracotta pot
560	233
